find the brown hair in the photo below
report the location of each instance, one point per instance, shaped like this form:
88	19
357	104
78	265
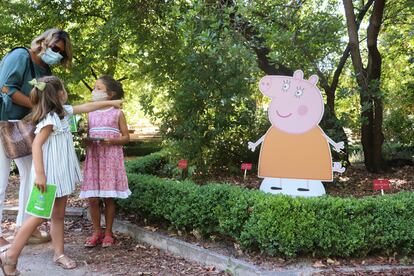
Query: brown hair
46	100
113	86
50	38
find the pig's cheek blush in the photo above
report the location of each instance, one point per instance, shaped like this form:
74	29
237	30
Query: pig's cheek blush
302	110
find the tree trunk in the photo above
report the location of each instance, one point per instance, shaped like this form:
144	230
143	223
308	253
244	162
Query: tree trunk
374	76
368	79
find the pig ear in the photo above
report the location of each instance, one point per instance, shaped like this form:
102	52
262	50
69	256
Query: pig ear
265	85
298	74
314	79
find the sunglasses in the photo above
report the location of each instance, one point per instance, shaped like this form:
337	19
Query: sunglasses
56	49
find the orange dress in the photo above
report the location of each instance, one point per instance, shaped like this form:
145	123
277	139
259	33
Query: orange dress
297	156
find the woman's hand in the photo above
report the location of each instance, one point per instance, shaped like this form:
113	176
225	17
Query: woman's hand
40	182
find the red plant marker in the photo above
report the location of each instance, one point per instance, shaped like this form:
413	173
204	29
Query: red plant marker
182	164
246	167
381	184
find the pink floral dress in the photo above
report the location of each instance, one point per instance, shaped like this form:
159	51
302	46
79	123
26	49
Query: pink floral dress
104	171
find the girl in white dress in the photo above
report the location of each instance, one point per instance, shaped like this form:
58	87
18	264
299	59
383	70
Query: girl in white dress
54	161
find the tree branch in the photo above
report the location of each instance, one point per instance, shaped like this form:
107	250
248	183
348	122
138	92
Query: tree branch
354	43
93	73
374	57
87	85
257	44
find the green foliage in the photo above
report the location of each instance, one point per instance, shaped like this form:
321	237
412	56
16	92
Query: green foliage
279	225
398	52
207	98
140	148
149	164
301	35
161	163
192	67
396	46
399	126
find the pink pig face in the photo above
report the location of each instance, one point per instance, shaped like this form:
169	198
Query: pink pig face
297	104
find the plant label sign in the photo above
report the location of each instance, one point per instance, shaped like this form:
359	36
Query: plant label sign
381	184
182	164
246	166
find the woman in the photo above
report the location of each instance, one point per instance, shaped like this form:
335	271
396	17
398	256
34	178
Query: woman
50	48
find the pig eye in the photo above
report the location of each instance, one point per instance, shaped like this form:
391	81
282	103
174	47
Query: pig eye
286	85
299	92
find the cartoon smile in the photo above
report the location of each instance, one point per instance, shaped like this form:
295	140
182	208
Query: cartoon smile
283	116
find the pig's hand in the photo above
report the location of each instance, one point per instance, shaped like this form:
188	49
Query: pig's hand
251	146
337	167
339	146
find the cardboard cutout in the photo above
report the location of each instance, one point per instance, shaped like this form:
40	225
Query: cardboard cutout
295	155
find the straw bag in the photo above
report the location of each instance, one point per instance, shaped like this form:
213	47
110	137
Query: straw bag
17	138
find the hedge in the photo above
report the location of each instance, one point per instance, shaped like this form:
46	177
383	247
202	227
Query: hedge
279	225
142	148
149	164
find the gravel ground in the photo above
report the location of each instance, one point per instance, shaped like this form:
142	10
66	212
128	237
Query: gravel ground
127	257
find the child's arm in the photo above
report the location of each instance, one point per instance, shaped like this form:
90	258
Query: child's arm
92	106
39	140
124	138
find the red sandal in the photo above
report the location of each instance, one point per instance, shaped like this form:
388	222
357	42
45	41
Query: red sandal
108	240
93	240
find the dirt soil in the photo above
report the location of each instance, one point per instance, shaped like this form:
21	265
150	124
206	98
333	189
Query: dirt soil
355	181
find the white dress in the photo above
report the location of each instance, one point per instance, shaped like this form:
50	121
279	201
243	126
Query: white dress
59	157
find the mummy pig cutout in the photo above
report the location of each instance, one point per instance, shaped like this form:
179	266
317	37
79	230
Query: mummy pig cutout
295	155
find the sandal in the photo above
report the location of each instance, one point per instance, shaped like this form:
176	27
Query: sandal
7	263
65	262
108	240
93	240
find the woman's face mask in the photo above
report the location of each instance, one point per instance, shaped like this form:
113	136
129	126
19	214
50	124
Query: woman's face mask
50	57
99	95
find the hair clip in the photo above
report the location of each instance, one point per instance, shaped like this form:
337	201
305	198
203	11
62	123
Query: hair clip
38	84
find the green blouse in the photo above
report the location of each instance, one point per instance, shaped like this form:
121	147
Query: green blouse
15	74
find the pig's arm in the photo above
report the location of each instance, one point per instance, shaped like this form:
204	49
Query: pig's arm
252	146
337	146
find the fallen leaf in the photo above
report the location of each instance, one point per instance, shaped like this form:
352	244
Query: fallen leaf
318	264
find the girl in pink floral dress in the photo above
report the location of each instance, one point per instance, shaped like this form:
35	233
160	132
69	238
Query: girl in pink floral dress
104	171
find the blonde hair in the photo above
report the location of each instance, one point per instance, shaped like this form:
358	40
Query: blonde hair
50	38
46	100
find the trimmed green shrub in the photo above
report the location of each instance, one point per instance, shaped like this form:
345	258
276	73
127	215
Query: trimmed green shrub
276	224
141	148
149	164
